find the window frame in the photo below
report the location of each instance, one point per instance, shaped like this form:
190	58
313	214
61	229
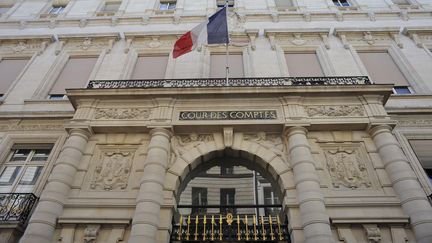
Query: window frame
415	82
56	138
168	3
405	133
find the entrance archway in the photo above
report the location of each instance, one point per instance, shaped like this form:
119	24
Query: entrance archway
204	216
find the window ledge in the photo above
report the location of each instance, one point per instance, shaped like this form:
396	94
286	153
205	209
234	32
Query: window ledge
289	9
48	16
168	11
105	14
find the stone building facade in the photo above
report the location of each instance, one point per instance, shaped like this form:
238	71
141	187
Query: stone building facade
329	100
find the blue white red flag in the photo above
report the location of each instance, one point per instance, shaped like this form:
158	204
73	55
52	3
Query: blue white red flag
212	31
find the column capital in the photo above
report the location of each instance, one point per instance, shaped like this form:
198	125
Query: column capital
85	132
162	131
295	130
375	130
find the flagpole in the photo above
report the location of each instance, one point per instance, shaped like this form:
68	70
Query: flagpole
226	45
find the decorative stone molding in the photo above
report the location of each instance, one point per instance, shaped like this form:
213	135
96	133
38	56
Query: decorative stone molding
91	233
373	233
368	36
271	142
148	42
228	135
183	143
24	45
335	110
415	122
30	127
112	171
347	168
121	114
299	37
97	42
420	35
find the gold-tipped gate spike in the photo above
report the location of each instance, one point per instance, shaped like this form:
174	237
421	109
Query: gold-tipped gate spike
180	228
263	230
238	228
220	227
271	228
188	226
255	233
247	229
204	230
212	228
196	228
279	228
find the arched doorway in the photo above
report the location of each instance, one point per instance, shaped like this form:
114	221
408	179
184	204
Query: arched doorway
230	196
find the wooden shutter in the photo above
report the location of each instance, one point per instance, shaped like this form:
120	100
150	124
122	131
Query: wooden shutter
9	71
303	65
218	66
150	67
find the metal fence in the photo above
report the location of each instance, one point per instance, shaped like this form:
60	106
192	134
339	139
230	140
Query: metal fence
16	207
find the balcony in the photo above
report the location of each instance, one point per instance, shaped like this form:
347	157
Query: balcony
16	207
232	82
239	223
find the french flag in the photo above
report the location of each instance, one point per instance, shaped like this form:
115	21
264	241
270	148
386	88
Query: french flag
212	31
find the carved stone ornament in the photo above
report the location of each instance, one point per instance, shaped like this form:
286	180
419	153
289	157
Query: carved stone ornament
181	144
91	233
271	142
112	171
373	233
30	127
346	168
27	46
335	110
121	113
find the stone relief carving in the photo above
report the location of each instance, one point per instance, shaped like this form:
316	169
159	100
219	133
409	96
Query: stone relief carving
121	113
373	233
24	46
335	110
90	233
347	168
30	127
270	141
112	171
415	122
180	144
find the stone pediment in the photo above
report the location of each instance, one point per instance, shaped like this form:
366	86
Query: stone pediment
24	45
76	42
422	36
298	37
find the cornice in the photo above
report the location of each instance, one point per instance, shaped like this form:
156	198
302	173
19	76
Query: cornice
378	30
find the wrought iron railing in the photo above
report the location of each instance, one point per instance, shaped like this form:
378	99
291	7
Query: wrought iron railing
230	227
16	207
233	82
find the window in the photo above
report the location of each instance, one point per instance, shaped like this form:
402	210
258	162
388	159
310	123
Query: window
4	10
270	198
218	65
110	7
199	198
341	3
56	9
10	69
21	171
221	3
401	2
383	70
150	67
284	4
303	65
227	197
227	170
167	5
402	90
422	149
75	74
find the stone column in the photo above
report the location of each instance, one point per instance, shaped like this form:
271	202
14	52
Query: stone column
315	221
150	197
43	221
413	198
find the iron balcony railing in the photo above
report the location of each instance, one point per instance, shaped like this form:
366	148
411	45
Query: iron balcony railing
239	223
233	82
16	207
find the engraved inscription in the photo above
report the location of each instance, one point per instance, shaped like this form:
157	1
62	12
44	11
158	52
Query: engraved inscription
228	115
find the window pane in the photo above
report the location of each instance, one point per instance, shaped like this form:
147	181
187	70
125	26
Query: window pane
10	69
31	175
75	74
20	155
111	7
41	155
303	65
382	69
150	67
9	175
